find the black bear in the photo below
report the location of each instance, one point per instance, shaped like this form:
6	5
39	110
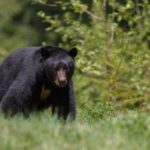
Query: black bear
35	78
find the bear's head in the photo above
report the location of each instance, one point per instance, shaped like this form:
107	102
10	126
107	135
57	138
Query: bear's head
58	65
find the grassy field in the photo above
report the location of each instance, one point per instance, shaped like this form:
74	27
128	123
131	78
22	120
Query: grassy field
43	132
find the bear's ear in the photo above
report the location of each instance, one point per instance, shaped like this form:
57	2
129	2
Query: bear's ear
73	52
44	52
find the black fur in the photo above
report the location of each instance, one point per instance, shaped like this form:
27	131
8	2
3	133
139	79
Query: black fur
26	71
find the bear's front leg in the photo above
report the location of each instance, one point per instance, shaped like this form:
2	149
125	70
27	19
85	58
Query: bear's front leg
67	105
72	101
17	98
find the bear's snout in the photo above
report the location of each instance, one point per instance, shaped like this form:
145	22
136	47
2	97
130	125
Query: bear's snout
61	79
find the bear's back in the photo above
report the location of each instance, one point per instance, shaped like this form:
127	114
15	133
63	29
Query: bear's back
12	64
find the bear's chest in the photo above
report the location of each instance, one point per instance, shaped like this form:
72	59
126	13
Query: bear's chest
44	93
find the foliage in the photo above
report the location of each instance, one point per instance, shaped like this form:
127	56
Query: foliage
19	27
113	47
94	111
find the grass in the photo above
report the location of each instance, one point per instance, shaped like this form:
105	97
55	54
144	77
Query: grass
106	132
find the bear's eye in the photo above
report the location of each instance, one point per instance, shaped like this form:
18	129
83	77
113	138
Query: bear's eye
56	68
65	68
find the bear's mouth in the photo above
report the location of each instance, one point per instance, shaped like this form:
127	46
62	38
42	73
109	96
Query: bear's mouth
60	83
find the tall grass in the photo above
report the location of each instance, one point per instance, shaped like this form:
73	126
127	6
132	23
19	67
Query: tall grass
44	132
